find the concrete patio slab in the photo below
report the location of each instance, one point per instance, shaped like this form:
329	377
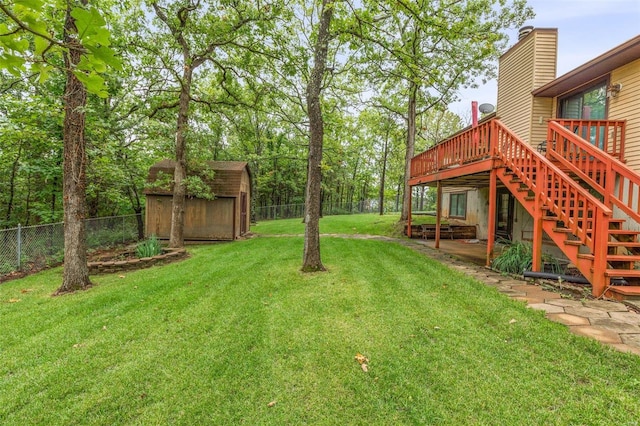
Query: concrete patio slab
606	305
626	348
615	326
599	334
567	319
565	303
583	311
631	339
627	317
549	309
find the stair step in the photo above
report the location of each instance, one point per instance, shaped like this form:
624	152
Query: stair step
623	258
624	292
563	230
573	243
523	189
627	244
623	232
625	273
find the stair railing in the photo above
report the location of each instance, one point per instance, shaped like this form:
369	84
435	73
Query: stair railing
619	185
583	214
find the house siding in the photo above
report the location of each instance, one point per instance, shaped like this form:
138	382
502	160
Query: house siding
529	64
625	107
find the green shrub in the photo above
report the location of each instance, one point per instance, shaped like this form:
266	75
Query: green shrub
518	258
148	248
514	259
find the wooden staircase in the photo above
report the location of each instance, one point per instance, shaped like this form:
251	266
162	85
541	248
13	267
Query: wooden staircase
602	170
570	192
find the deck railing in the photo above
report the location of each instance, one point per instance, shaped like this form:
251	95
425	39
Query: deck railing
619	185
465	147
608	135
559	193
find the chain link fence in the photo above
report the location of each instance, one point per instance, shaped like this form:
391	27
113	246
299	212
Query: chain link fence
28	248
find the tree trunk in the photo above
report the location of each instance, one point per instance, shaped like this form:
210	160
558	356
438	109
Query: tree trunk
176	238
383	175
76	272
12	184
411	141
311	256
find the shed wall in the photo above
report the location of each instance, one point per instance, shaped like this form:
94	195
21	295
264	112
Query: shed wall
204	219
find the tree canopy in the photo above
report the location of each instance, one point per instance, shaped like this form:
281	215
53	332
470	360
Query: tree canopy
327	100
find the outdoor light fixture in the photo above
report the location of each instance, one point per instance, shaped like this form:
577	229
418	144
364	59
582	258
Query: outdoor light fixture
613	90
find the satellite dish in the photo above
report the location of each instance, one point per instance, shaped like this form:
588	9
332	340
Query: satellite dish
486	108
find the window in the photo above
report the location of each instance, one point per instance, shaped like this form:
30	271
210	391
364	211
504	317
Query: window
590	104
458	205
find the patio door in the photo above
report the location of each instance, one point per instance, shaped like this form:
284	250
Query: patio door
504	214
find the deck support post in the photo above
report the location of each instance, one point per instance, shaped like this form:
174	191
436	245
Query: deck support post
493	200
536	261
409	213
438	212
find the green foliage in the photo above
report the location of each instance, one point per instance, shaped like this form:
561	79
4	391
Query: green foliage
514	259
149	247
517	257
32	33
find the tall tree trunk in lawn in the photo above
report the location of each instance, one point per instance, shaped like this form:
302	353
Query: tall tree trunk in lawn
311	256
383	176
176	238
411	142
76	272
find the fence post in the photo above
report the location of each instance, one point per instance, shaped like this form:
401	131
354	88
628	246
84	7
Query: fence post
19	246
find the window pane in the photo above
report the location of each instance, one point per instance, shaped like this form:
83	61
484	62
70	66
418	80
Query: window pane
595	102
458	205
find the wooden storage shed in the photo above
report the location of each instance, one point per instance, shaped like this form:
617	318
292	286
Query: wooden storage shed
224	218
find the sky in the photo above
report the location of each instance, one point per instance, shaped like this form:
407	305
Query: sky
586	29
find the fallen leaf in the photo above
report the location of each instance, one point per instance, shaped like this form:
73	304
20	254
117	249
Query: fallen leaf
272	403
14	300
78	345
26	290
104	327
513	321
121	276
365	368
361	358
436	328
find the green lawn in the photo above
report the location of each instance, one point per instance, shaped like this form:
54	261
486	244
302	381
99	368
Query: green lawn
237	335
370	224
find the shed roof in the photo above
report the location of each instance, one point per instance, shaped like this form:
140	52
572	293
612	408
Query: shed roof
226	181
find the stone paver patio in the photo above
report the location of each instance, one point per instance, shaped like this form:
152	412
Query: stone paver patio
612	323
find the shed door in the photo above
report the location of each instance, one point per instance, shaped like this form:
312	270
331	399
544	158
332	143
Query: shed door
243	213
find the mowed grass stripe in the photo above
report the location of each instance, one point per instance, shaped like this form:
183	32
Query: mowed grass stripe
216	338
